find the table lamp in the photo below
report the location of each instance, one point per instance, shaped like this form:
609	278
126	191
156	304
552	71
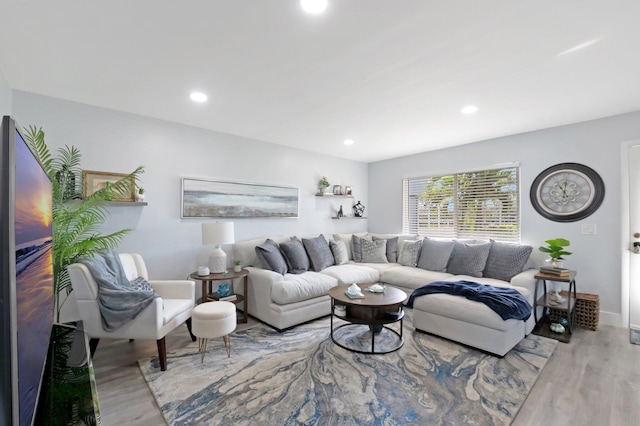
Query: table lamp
218	233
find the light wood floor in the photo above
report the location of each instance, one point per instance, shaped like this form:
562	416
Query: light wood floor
594	380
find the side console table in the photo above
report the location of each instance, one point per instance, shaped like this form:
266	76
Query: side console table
207	288
568	306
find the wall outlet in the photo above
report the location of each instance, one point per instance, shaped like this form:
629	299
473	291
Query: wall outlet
588	229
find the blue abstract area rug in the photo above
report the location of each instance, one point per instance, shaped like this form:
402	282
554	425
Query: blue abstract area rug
300	377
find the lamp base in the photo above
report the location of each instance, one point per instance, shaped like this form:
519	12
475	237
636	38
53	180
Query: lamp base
218	261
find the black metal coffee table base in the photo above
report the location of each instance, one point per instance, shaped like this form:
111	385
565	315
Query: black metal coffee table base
372	328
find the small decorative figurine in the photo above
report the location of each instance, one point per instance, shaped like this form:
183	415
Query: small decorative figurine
340	212
224	290
358	210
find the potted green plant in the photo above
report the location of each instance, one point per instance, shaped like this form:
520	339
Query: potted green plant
237	266
140	195
76	221
555	250
322	185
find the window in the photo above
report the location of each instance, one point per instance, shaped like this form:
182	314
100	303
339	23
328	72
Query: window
482	204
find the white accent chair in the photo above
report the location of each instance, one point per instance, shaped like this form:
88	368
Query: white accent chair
163	315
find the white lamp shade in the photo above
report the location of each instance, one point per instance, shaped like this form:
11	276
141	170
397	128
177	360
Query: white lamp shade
217	233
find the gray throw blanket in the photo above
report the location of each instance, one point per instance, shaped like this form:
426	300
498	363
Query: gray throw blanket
119	302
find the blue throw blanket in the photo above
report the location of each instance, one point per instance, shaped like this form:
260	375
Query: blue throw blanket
506	302
119	302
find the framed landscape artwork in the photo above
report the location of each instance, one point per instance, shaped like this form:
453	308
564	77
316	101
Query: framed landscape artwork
219	198
94	181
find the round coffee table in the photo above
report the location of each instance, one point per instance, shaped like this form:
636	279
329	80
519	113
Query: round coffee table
375	310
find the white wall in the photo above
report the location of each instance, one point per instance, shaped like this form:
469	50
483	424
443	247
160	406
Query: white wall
118	142
5	96
597	144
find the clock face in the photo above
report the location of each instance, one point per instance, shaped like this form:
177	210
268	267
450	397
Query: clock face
567	192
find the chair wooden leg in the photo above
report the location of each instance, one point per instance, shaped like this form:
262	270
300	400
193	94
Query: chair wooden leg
193	338
93	345
162	354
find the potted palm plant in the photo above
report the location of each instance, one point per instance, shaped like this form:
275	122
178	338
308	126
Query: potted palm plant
76	221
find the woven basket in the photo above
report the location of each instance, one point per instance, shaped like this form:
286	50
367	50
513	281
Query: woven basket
587	310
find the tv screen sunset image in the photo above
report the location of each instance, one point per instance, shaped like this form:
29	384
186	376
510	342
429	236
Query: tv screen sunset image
34	275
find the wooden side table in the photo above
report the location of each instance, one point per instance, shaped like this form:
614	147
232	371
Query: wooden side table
207	288
568	306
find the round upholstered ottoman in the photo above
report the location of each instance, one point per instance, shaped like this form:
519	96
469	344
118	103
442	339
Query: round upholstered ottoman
213	319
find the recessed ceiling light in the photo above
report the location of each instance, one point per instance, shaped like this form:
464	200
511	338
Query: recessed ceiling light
469	109
198	97
313	6
349	142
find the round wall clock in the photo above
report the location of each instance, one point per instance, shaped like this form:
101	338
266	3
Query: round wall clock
567	192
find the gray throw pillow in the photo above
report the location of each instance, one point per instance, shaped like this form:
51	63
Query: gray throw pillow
468	259
319	252
140	284
271	257
295	256
357	247
409	253
506	260
392	248
435	254
374	251
339	250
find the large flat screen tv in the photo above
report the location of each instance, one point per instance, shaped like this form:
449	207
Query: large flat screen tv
26	277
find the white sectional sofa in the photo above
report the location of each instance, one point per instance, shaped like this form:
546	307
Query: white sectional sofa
283	299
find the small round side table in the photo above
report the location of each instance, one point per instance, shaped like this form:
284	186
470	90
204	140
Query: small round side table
207	290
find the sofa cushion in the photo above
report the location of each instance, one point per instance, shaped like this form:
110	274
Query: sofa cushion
392	248
295	255
352	273
339	250
347	239
319	252
245	251
374	251
462	309
296	288
468	259
435	254
409	253
506	260
411	277
357	246
140	284
271	257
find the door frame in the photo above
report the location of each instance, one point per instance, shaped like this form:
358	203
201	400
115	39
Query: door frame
625	208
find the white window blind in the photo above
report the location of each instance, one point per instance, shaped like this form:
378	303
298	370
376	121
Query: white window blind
482	204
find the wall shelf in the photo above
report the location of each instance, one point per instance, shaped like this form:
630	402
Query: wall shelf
347	217
126	203
334	196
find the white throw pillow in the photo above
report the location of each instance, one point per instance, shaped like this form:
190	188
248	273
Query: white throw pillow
339	250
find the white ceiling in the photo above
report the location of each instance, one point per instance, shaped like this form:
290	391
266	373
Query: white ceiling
390	74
